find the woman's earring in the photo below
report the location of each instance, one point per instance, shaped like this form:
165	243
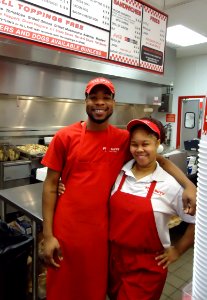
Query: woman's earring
160	149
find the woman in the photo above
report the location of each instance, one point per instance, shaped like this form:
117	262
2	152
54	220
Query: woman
143	199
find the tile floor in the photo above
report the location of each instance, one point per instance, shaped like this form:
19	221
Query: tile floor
179	274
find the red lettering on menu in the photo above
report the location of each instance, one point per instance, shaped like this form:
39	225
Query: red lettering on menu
127	7
8	3
40	13
7	29
155	20
73	24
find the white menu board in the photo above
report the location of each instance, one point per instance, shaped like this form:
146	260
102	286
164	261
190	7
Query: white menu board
154	27
94	12
33	23
59	6
126	32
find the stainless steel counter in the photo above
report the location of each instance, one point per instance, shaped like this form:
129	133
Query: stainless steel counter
27	198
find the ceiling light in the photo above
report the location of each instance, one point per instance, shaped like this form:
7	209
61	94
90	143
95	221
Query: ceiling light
183	36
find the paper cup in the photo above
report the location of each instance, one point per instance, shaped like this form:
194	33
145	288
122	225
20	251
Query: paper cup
202	154
202	184
201	194
202	168
202	178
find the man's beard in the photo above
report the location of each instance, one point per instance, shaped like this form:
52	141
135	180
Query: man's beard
98	121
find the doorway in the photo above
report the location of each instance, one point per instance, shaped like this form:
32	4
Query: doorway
190	109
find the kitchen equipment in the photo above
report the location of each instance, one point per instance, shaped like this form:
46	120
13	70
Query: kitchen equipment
179	158
14	173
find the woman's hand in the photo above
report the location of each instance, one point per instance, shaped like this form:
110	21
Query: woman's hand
52	252
61	188
169	256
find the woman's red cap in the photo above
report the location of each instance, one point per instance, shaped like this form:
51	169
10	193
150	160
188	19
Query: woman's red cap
148	123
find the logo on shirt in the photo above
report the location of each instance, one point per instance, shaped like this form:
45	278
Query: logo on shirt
111	149
160	193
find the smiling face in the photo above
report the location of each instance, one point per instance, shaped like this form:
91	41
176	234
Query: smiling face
143	147
99	104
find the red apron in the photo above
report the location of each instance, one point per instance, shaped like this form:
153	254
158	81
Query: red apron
134	242
81	224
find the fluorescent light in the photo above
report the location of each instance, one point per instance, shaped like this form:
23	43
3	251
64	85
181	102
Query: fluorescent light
183	36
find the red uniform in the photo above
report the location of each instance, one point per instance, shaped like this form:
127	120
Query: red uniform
89	162
134	243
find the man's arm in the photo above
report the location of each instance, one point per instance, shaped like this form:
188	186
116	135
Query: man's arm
49	198
189	194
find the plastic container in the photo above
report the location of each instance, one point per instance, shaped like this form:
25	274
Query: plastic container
187	292
14	250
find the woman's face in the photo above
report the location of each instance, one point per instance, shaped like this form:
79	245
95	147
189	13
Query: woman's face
143	147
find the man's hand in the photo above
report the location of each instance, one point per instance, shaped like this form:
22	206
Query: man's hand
189	200
52	252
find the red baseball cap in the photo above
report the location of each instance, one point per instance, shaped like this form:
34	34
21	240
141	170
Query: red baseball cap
97	81
148	123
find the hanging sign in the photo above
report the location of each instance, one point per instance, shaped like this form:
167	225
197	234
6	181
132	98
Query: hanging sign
126	32
153	39
39	25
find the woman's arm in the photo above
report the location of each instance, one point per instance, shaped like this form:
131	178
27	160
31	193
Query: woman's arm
189	194
49	198
186	241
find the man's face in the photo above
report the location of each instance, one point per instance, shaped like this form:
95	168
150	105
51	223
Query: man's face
99	104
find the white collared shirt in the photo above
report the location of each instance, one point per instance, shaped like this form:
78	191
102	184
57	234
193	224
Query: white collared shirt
166	199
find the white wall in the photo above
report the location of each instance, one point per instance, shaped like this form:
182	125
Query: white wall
190	80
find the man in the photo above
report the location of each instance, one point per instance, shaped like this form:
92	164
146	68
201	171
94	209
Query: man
88	157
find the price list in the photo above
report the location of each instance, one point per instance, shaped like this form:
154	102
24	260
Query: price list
126	32
39	25
95	12
59	6
153	39
122	31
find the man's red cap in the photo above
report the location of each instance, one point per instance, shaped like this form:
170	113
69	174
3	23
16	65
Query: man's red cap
98	81
148	123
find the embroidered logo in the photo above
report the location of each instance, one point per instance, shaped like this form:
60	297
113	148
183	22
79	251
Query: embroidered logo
160	193
112	149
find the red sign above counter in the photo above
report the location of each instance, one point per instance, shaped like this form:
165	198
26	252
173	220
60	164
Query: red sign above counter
37	24
124	32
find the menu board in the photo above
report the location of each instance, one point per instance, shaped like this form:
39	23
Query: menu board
94	12
33	23
59	6
127	32
153	39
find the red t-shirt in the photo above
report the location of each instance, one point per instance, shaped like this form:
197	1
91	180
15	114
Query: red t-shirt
65	147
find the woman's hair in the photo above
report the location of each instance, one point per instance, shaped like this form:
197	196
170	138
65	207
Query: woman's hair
156	122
